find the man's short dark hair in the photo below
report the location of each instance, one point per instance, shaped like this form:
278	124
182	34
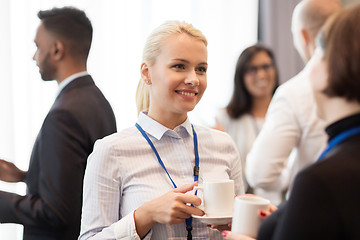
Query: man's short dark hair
70	25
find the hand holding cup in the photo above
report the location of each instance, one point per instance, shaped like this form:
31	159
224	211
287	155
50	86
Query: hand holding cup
246	219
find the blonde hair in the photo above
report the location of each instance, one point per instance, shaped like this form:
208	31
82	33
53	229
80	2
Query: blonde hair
152	51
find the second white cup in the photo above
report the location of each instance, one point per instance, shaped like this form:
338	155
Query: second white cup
246	219
218	197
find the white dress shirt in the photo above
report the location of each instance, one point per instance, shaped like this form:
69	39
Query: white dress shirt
244	131
69	79
292	137
123	173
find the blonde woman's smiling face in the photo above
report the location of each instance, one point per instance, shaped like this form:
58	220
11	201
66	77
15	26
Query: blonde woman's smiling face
178	77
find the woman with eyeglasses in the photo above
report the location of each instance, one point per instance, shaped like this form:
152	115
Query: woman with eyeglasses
255	81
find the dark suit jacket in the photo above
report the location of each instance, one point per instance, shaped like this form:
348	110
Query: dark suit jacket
325	200
51	209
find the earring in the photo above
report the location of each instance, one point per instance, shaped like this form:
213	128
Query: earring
147	81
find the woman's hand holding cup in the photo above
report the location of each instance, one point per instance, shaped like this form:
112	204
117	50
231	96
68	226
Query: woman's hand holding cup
171	208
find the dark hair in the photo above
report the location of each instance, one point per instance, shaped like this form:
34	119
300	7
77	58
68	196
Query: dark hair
72	26
241	100
340	41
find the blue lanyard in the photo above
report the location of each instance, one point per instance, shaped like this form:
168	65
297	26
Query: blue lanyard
196	168
338	139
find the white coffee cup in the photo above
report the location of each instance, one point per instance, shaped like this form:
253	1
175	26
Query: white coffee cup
246	218
218	197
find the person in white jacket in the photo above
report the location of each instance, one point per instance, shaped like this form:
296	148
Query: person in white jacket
292	136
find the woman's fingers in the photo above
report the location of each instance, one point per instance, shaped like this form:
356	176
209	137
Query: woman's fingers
264	214
188	198
174	206
220	227
233	236
272	208
186	187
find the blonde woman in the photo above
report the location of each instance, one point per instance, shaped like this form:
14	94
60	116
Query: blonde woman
138	182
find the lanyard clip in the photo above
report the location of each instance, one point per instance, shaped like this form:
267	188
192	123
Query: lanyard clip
196	171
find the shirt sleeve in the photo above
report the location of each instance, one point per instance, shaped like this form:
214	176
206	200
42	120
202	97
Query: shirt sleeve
101	217
267	160
124	229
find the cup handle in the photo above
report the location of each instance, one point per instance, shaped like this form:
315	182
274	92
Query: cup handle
201	206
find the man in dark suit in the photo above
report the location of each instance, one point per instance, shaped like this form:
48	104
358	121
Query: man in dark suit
80	115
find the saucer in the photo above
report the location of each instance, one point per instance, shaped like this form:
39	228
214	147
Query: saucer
221	220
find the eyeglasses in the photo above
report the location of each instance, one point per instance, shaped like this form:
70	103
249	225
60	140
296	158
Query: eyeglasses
253	70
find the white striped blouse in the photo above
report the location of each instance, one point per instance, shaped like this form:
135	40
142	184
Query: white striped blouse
123	173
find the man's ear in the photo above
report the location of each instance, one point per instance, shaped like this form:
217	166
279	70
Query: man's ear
309	43
145	75
305	37
58	51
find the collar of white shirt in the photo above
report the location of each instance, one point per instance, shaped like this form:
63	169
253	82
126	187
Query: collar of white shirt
69	79
157	130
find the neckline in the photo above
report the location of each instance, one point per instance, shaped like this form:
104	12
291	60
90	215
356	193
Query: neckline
342	125
157	130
